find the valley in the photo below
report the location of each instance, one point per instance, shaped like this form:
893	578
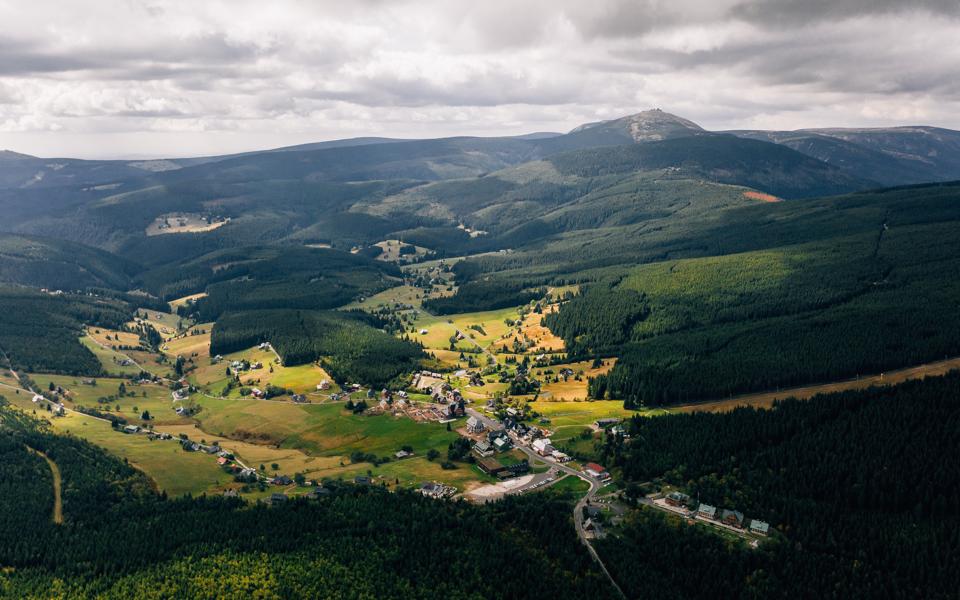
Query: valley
551	326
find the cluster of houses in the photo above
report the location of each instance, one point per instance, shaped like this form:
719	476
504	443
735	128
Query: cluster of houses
495	441
729	517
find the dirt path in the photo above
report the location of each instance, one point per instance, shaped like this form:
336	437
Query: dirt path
57	486
766	399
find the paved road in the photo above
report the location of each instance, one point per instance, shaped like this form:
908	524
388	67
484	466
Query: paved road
578	509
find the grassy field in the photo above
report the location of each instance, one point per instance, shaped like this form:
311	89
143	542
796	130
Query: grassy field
109	359
112	337
154	398
440	329
571	484
571	389
167	324
175	304
403	294
174	471
568	419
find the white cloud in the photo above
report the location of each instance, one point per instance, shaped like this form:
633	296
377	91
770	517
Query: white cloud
180	77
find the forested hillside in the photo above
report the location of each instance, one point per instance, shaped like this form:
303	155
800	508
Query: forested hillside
349	345
358	542
39	332
860	486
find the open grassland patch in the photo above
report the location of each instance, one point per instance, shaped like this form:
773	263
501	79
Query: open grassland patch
111	361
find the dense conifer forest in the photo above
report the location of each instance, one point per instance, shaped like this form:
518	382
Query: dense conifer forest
861	489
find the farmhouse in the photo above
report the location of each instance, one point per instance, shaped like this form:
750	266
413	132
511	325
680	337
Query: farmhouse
543	447
299	398
707	512
281	480
759	527
402	454
732	517
483	448
604	423
323	385
596	471
475	425
131	429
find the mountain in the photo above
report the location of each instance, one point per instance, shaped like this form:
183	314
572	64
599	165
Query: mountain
647	126
891	156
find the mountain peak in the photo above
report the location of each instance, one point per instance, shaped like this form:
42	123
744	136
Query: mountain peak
646	126
11	155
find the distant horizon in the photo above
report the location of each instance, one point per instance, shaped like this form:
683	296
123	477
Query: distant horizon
251	149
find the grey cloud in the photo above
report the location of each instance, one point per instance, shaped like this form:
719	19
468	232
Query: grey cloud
785	13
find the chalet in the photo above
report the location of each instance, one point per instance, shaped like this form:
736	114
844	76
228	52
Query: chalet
490	466
402	394
189	446
593	527
402	454
604	423
432	489
38	398
248	473
483	448
180	395
502	443
543	447
214	449
256	393
759	527
732	517
281	480
513	412
677	499
299	398
231	493
131	429
323	385
88	381
475	425
596	471
560	456
707	512
222	461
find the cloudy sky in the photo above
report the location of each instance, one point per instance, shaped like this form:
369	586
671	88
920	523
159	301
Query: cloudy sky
112	78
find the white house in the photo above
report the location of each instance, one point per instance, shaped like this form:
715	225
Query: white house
543	447
474	425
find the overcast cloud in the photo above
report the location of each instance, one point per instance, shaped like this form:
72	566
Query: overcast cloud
111	78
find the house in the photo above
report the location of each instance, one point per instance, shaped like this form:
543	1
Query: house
593	512
502	443
189	446
593	527
732	517
323	385
131	429
513	412
560	456
214	449
299	398
402	454
491	466
596	471
677	499
231	493
281	480
483	448
248	473
362	480
475	425
604	423
543	447
277	498
423	332
759	527
256	392
222	461
402	394
707	512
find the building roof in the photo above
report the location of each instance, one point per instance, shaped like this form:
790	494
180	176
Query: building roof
761	526
737	515
595	467
482	446
706	509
